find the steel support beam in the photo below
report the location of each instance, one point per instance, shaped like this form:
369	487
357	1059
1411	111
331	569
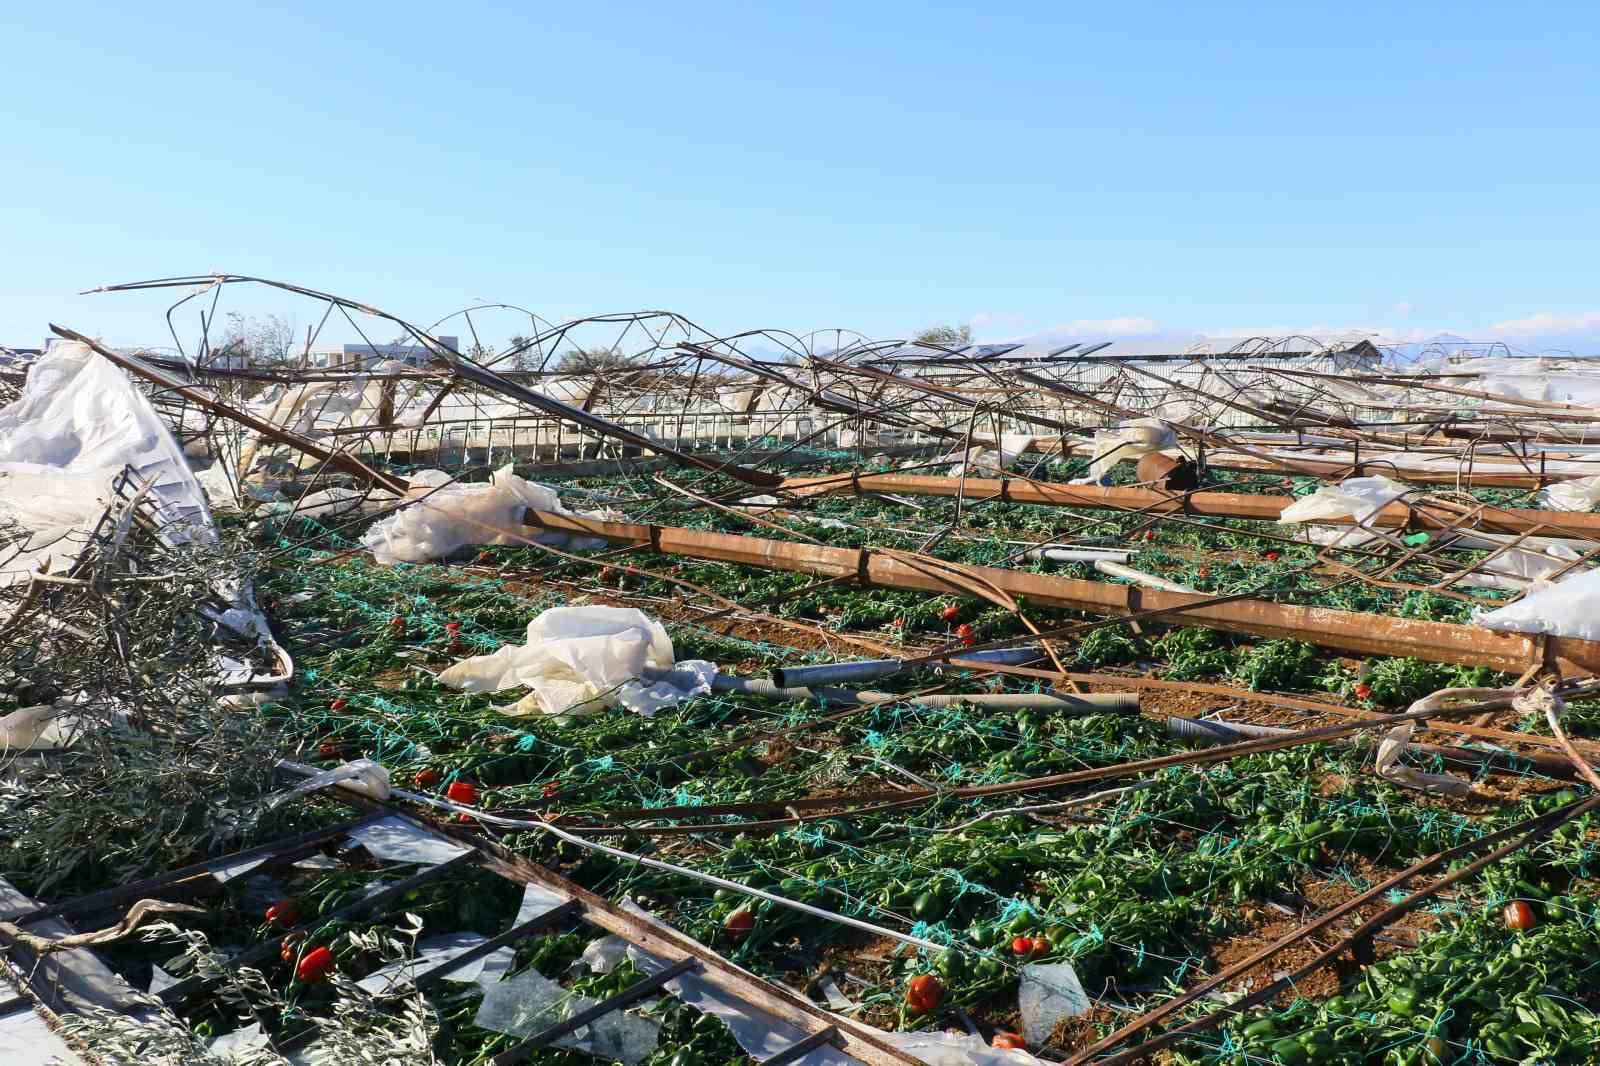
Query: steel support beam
1364	634
1160	502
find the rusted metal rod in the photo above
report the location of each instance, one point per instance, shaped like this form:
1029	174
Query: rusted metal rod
1349	631
1159	502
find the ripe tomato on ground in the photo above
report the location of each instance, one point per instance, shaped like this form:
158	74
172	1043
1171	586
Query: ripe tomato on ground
739	924
462	792
1519	915
1008	1041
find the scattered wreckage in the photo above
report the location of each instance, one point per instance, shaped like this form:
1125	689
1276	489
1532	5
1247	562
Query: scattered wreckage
1226	704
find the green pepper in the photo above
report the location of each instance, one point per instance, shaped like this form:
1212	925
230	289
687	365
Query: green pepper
952	964
1260	1028
1289	1050
1403	1000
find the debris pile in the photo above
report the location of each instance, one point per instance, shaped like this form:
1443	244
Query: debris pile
628	693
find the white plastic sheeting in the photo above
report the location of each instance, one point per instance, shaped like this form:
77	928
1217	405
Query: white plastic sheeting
1567	608
1390	768
982	460
1358	498
1050	992
78	422
1130	440
525	1004
1580	494
446	517
583	659
394	839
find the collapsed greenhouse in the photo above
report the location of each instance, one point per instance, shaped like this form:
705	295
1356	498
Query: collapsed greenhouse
795	699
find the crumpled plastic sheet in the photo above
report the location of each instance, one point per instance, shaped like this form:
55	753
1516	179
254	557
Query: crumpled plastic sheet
1130	440
1359	498
38	728
237	1045
980	460
1050	992
227	871
79	421
432	952
579	660
529	1002
362	776
1389	767
1566	608
394	839
1579	494
447	517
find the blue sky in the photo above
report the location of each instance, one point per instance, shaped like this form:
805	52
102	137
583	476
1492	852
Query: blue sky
1104	170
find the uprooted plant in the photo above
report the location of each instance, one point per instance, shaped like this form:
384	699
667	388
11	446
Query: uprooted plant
113	667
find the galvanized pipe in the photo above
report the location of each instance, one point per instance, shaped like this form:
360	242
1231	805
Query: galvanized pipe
871	669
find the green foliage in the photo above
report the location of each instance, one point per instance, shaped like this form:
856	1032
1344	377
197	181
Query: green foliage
1108	645
1278	665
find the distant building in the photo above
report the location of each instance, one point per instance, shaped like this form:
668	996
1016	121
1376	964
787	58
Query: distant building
362	356
18	357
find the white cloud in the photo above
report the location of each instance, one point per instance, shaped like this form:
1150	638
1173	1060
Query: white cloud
1549	323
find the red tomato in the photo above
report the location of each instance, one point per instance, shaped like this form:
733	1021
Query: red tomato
898	623
1519	915
1022	945
551	788
284	914
1008	1040
1204	571
427	778
317	964
462	792
924	993
1041	946
950	613
329	750
1149	534
290	945
337	704
1362	690
964	631
738	925
452	628
1272	557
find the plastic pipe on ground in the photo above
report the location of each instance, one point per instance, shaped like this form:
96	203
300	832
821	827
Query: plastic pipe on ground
1139	577
1078	555
1085	703
870	669
1208	732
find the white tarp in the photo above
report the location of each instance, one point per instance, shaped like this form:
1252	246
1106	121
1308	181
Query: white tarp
1358	498
583	659
1580	494
447	516
78	422
1130	440
1568	608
